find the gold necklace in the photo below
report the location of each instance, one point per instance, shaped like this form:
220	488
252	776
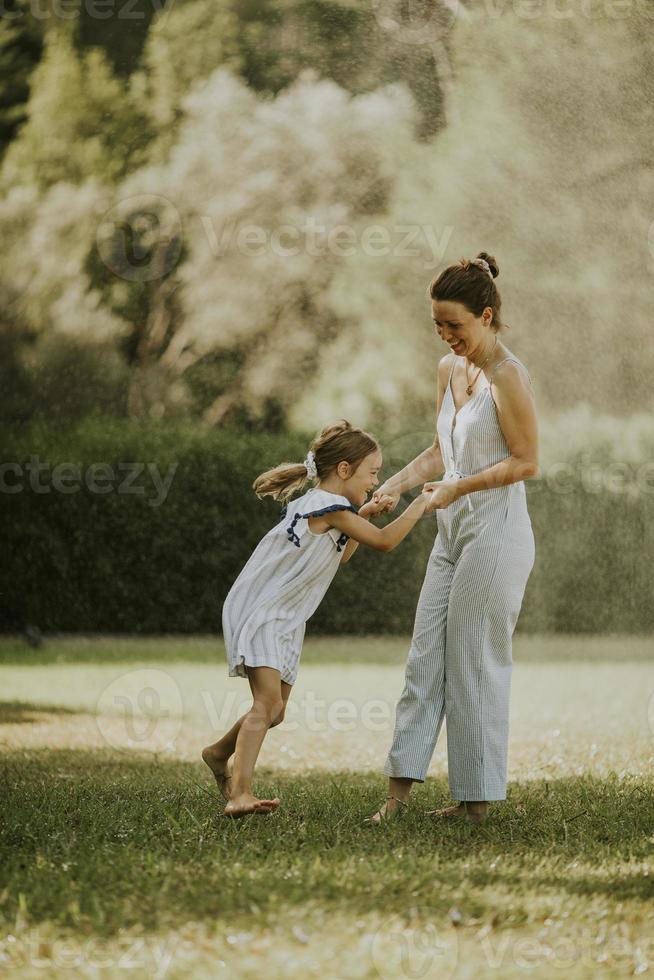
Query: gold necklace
471	384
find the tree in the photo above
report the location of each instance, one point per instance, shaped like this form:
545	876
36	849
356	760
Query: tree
186	43
258	186
362	47
47	238
81	121
21	45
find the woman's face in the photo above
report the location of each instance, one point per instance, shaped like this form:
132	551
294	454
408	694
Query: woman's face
463	332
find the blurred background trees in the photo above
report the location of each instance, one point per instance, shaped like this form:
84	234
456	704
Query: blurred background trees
154	164
224	215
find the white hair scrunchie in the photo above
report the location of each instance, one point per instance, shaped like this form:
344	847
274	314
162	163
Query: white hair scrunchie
310	463
482	264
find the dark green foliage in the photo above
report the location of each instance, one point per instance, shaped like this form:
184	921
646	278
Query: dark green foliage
340	40
59	379
21	44
15	382
122	34
277	40
89	561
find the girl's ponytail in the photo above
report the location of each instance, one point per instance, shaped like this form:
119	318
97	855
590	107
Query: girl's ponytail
282	481
339	442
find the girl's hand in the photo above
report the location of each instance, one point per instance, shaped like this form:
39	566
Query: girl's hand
374	507
392	495
443	494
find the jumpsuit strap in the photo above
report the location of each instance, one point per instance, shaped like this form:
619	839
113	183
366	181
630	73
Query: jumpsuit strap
510	357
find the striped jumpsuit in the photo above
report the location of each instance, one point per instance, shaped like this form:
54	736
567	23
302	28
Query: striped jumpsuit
460	660
281	585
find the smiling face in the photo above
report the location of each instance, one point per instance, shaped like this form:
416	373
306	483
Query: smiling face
461	330
364	479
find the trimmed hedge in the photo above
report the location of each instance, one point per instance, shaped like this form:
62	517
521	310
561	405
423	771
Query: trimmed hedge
112	562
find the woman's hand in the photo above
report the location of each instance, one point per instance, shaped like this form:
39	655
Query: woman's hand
392	495
373	507
442	493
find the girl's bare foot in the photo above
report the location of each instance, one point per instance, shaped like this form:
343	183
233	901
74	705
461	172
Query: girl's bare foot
471	812
392	806
218	766
244	803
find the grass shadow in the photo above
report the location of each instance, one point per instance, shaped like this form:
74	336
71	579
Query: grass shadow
26	712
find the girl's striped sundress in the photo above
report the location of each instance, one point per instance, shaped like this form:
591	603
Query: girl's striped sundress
266	610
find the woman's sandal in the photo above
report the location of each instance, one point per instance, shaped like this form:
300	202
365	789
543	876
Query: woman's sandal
383	817
448	813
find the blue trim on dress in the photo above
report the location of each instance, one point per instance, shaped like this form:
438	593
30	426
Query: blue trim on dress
290	530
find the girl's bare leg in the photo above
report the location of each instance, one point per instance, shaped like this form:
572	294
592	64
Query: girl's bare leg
217	756
267	708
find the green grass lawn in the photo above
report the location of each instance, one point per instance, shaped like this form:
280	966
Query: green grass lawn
115	859
317	649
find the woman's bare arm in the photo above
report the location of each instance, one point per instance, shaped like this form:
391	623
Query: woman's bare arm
429	464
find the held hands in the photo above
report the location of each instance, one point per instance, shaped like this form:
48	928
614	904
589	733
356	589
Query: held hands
376	506
441	494
390	495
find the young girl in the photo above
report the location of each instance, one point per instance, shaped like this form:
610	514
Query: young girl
283	582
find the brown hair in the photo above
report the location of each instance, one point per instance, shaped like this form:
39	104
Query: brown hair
468	283
340	442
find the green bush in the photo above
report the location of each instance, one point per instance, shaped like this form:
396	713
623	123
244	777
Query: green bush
114	562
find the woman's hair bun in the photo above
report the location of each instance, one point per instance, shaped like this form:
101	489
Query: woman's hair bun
492	263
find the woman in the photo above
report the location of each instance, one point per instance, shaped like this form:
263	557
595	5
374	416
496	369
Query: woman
459	664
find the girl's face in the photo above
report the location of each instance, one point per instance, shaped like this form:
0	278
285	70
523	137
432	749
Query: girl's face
463	332
364	479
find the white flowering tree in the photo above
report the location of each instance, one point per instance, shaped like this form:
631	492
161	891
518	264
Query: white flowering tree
270	198
261	256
